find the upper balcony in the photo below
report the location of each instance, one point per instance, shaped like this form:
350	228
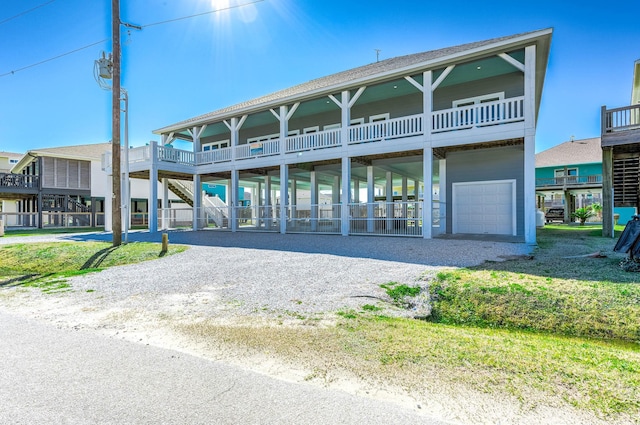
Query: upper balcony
620	126
471	119
19	184
569	182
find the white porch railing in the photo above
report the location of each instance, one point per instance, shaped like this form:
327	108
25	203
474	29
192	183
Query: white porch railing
176	155
141	154
386	218
213	156
478	115
305	142
388	129
251	150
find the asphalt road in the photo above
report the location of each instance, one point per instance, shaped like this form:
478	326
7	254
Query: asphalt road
63	376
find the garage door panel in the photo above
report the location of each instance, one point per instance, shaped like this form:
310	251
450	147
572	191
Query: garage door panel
484	207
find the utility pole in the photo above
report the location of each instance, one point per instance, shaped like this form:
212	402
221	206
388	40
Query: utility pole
116	201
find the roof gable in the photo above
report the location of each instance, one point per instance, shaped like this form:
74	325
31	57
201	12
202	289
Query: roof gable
585	151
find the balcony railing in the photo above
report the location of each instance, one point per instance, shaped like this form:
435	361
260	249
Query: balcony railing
620	119
388	129
570	181
320	140
19	181
478	115
454	119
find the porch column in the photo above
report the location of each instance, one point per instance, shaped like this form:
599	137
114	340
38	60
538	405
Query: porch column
233	199
346	194
165	204
268	218
197	202
529	144
405	197
336	211
356	191
284	196
257	204
607	193
314	200
442	195
370	199
293	201
389	200
153	191
427	193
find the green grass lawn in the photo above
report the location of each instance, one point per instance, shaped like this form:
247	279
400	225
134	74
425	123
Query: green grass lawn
548	329
47	265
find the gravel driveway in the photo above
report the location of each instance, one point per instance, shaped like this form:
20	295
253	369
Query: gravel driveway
248	273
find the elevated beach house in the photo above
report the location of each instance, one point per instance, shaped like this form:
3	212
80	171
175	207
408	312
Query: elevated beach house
620	128
433	143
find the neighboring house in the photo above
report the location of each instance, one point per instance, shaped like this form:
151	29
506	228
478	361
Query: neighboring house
7	161
440	142
620	128
569	175
64	187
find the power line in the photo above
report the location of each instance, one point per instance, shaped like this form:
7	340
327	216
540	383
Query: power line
107	39
201	14
53	58
26	11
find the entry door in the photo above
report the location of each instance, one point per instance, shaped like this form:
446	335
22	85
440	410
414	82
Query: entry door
487	207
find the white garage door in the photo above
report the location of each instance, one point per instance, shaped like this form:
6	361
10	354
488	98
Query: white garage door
485	207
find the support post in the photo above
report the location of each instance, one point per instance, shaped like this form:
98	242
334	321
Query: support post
233	198
284	197
153	190
314	200
608	229
346	195
529	145
370	199
197	202
164	225
427	193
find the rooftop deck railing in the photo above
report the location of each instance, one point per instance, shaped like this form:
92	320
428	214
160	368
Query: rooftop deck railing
569	181
620	119
18	181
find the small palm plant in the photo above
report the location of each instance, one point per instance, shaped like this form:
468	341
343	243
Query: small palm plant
597	209
582	214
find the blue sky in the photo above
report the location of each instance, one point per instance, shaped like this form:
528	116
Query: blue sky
189	67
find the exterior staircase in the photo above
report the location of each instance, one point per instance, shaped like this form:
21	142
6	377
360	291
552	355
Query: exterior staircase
214	208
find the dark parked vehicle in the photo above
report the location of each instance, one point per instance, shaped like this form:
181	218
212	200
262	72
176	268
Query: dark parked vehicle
554	214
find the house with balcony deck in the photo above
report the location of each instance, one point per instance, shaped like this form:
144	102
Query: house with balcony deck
433	143
63	187
569	175
620	128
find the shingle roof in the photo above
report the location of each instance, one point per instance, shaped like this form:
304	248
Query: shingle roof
585	151
88	151
349	76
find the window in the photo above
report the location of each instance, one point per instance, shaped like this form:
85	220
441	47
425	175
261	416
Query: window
478	99
570	176
215	145
379	117
311	130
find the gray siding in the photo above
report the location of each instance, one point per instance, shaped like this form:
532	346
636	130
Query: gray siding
502	163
